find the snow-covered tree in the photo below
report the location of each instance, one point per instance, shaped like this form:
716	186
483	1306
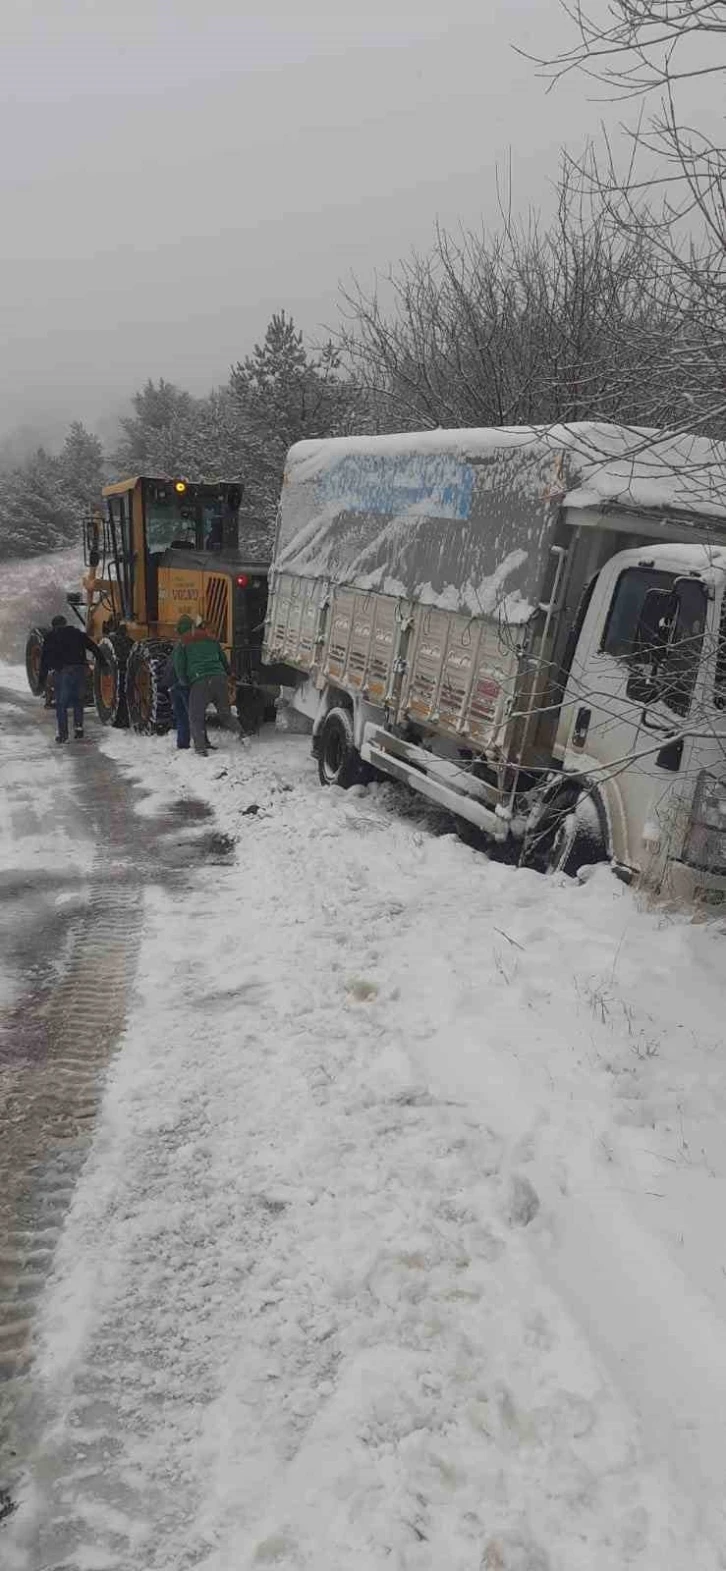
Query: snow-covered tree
36	512
284	393
146	444
532	323
672	181
82	467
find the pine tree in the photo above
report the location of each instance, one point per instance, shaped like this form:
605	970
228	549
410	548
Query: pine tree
151	436
285	394
82	467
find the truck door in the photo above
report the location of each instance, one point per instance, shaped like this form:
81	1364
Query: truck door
629	692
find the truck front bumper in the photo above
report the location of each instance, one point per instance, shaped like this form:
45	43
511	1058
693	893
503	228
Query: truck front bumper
443	782
696	885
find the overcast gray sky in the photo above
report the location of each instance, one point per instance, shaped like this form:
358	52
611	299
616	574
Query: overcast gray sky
172	171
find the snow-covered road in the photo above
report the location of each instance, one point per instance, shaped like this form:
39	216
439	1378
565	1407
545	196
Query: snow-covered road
400	1242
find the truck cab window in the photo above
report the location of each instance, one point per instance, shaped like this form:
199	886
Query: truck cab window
620	635
719	689
677	675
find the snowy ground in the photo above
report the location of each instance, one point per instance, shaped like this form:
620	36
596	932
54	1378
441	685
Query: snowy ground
400	1244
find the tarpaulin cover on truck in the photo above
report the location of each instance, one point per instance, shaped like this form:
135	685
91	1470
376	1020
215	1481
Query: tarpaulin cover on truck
464	520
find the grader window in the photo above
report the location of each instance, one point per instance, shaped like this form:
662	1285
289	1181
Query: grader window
213	526
183	514
170	519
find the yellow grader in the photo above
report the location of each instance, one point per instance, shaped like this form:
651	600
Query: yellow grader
162	549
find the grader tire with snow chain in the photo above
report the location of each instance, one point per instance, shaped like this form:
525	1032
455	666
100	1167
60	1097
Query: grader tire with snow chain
149	705
109	681
33	653
339	762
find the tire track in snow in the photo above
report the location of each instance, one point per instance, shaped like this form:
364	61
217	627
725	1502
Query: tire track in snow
55	1044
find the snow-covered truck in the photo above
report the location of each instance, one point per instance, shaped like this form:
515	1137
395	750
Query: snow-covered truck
526	626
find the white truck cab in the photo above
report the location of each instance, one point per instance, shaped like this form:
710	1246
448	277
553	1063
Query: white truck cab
643	715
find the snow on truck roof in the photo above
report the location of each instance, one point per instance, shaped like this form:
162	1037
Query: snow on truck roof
464	519
634	466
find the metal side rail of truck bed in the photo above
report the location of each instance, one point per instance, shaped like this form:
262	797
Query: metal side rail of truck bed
442	782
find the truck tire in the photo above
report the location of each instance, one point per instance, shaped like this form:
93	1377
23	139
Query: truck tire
109	681
569	835
33	652
250	704
339	762
148	703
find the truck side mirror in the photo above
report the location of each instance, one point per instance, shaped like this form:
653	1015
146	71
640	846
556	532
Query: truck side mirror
642	689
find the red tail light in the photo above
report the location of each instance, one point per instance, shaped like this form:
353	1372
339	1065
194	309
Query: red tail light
242	580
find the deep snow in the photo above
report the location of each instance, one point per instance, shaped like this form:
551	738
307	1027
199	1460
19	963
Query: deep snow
400	1244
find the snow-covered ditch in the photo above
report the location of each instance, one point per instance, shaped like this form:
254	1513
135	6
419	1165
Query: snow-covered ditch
401	1243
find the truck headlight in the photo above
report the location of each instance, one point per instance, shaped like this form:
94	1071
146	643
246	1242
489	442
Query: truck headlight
706	841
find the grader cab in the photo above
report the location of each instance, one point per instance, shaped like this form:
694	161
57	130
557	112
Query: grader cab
162	549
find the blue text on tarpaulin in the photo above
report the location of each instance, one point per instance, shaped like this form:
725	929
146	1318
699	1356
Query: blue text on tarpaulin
373	483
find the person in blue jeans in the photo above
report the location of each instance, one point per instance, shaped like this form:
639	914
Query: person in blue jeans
64	653
180	707
179	699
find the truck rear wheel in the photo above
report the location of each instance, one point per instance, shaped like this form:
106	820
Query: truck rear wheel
148	702
33	653
109	681
339	762
251	709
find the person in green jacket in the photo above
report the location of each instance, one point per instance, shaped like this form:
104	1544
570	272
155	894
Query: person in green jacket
201	665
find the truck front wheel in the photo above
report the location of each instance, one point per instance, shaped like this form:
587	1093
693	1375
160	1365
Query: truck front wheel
568	835
339	762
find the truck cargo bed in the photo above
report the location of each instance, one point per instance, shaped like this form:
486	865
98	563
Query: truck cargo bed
440	669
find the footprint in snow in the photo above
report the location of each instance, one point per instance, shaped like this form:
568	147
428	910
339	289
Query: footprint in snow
524	1202
514	1552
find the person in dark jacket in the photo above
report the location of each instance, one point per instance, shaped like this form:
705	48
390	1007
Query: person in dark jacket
64	653
201	665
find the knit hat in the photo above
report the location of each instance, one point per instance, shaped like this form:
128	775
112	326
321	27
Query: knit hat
184	625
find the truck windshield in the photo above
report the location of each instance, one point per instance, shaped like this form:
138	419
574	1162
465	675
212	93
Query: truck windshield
670	648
